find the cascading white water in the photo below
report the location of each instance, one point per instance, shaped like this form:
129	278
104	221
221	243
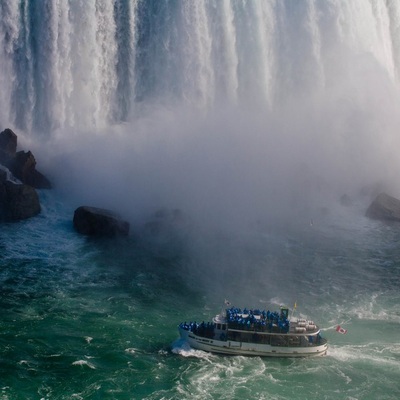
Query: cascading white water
89	63
222	97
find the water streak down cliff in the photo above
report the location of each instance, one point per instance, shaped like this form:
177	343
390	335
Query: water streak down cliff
90	63
250	101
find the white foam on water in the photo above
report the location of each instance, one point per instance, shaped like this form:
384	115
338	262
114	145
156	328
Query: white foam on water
183	348
130	350
83	363
373	353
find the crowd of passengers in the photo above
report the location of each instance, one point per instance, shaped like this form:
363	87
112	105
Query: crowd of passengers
256	320
243	320
203	329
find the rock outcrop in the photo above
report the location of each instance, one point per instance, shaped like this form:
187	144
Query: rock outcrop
8	145
22	164
94	221
18	180
384	207
17	200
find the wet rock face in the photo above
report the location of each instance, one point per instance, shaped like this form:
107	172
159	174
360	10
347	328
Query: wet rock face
94	221
18	180
17	200
22	164
8	144
385	208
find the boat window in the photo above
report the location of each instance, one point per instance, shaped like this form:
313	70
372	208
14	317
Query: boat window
218	326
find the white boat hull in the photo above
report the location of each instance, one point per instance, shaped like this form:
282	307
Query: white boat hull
250	349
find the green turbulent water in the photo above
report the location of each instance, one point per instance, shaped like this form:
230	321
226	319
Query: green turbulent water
87	319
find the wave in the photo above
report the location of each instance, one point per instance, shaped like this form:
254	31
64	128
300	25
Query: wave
84	363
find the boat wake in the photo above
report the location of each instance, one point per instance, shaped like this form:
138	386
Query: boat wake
182	348
370	353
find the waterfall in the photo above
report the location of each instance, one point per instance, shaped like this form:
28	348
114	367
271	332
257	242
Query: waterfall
90	63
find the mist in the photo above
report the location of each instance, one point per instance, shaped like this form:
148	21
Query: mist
231	166
234	113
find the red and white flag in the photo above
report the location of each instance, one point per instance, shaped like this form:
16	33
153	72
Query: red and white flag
341	330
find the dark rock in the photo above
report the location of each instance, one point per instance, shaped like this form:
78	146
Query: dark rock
94	221
23	167
18	177
8	145
17	200
384	207
21	164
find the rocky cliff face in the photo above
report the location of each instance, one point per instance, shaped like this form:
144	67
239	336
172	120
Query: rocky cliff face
21	164
17	200
18	180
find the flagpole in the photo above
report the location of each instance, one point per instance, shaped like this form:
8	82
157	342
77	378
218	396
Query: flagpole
294	309
226	304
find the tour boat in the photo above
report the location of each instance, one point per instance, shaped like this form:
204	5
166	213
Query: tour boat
250	332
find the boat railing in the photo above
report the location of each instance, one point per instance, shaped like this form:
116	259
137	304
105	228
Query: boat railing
202	329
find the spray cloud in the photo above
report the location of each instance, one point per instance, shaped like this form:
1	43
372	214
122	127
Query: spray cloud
231	111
